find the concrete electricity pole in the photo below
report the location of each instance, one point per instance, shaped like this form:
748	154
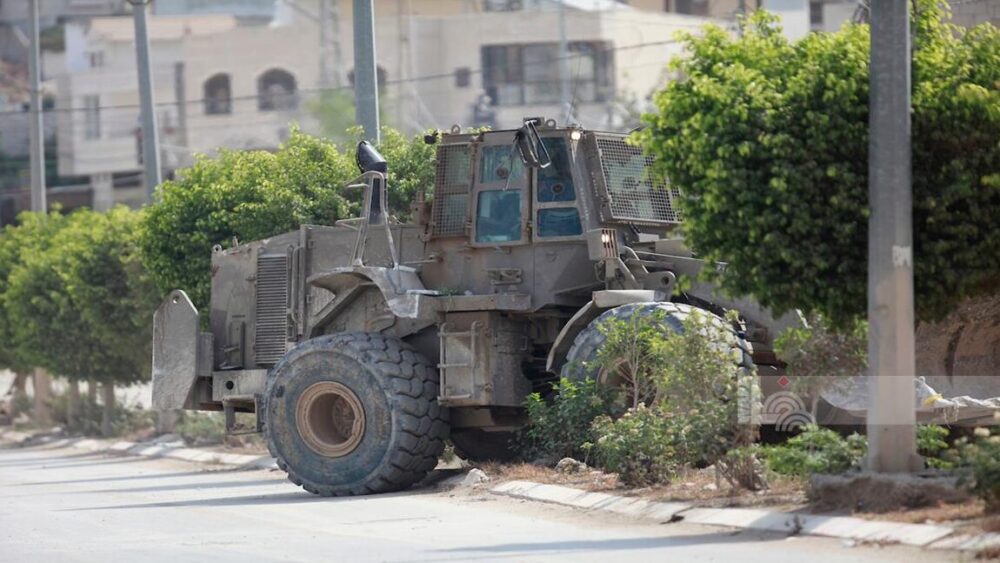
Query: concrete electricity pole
891	411
365	73
150	134
564	94
36	131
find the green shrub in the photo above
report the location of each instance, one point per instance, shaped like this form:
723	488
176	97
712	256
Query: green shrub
932	444
816	450
638	446
978	462
820	356
201	428
560	426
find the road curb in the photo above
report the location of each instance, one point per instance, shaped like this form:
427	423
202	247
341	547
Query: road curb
147	449
841	527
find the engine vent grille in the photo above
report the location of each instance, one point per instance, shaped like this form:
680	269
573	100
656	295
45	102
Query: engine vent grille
635	196
270	340
451	190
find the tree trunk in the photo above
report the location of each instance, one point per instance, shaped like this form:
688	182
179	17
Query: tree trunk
20	385
91	391
42	385
20	390
73	406
108	397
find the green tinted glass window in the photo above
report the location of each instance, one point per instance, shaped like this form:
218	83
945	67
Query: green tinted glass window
498	216
498	162
555	181
559	222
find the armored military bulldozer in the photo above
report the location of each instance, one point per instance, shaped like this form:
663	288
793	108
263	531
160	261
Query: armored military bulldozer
363	346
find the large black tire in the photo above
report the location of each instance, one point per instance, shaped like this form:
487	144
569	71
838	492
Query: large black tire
478	445
380	380
581	360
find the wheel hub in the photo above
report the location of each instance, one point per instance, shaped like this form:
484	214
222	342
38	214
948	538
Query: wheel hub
330	419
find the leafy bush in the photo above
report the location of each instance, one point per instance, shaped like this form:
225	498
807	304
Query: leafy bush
818	356
932	445
250	195
978	461
816	450
707	386
638	446
687	389
246	195
559	427
769	138
201	428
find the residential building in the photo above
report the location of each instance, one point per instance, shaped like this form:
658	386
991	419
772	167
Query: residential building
223	81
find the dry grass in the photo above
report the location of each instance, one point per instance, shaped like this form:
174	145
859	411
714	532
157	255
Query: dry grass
592	480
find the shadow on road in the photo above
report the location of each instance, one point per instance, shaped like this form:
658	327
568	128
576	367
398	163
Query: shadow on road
200	485
249	500
618	544
164	475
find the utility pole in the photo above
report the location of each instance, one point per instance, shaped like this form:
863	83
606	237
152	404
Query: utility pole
365	73
891	409
564	95
36	132
150	134
180	96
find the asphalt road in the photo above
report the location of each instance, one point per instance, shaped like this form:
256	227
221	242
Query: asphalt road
63	505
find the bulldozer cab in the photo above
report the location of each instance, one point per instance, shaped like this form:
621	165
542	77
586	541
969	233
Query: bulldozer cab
543	183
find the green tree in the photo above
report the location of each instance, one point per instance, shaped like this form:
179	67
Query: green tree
249	195
245	195
768	142
78	301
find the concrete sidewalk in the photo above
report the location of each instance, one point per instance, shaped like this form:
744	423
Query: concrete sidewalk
153	449
842	527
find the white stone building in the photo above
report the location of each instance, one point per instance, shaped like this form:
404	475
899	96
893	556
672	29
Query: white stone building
220	82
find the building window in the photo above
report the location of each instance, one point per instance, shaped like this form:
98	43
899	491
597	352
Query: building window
276	90
91	117
96	59
691	7
502	5
816	13
529	74
218	96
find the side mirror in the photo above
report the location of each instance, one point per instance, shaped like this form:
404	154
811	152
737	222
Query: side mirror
530	147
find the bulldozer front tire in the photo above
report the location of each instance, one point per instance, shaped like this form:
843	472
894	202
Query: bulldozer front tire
582	358
354	414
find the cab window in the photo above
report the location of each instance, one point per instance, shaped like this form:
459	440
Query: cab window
556	194
555	182
559	222
498	216
500	163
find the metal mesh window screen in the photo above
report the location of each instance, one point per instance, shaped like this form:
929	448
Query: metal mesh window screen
635	196
451	190
272	309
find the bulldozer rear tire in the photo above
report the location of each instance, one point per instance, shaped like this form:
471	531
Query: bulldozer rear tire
354	414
